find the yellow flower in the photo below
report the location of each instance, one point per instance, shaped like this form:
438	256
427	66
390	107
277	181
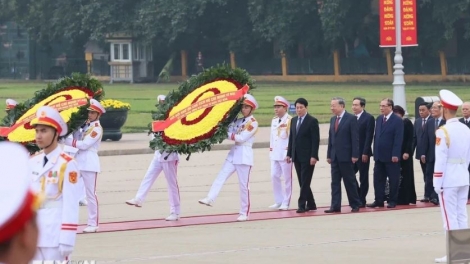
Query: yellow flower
115	104
24	134
202	121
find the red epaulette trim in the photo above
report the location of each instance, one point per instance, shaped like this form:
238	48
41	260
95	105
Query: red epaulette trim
253	119
437	174
74	143
232	137
66	157
97	125
70	227
270	149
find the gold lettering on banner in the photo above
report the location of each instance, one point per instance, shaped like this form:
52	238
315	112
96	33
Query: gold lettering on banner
408	23
407	9
389	23
388	16
388	9
388	2
408	16
407	2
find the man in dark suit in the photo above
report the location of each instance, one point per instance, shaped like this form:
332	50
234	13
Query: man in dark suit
429	143
387	152
342	154
466	120
419	127
304	142
366	126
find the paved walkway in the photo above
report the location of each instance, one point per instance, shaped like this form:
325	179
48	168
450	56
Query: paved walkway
138	143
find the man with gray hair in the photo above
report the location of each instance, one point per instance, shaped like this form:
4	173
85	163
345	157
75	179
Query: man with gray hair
466	120
342	154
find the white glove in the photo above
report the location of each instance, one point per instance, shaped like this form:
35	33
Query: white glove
438	190
65	250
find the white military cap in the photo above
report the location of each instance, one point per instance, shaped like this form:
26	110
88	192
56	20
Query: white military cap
49	116
10	104
279	100
251	101
450	100
95	106
161	97
18	201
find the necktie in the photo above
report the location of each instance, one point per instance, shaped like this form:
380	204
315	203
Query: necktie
337	123
466	121
437	124
385	120
279	120
424	122
45	161
298	124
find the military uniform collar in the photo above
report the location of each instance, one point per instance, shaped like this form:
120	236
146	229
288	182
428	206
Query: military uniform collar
452	120
53	155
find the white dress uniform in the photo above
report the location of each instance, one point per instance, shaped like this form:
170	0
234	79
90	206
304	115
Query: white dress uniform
10	104
280	127
18	201
88	141
239	159
55	176
451	176
168	163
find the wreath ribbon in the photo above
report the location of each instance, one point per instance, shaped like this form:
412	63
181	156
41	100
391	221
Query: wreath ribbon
60	106
161	125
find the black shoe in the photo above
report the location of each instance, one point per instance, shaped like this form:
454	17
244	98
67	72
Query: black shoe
312	208
362	205
329	211
391	205
375	205
301	211
355	210
434	201
425	200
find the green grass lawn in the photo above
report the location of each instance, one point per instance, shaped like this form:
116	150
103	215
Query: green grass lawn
142	97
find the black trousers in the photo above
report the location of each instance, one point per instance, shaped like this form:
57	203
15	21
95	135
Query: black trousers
428	184
423	169
304	175
363	185
345	171
382	170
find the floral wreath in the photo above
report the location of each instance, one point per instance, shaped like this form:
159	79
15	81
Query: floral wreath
198	114
68	95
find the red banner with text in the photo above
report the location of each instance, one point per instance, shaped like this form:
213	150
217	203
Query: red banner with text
409	27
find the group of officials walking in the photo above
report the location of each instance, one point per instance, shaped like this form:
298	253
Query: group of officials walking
442	145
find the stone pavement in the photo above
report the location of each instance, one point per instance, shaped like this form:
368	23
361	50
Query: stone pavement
138	143
388	237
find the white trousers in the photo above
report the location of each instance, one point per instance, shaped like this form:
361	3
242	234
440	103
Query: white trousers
281	169
49	254
243	172
169	168
81	183
89	179
453	203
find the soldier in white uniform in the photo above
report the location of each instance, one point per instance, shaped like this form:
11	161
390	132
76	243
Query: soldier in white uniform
451	177
168	163
55	176
18	226
240	157
87	141
280	126
10	104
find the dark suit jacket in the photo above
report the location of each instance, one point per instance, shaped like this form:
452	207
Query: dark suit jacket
388	138
462	120
344	143
407	145
366	126
429	139
418	135
305	145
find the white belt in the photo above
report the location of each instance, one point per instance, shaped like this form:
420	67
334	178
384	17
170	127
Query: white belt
244	144
456	161
51	204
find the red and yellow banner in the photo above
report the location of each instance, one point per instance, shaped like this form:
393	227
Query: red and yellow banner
409	27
